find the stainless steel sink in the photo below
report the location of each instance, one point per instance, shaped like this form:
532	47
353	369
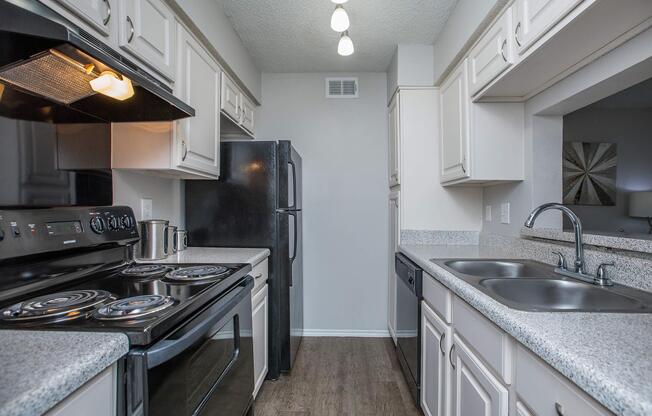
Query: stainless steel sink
499	268
566	295
533	286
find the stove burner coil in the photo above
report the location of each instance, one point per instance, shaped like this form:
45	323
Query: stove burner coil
56	307
133	307
194	273
146	270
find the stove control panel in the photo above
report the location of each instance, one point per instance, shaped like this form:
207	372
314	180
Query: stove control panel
34	231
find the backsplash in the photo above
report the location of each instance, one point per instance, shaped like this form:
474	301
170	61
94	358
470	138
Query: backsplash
440	237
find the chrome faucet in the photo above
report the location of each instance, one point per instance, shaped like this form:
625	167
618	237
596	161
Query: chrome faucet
580	266
577	228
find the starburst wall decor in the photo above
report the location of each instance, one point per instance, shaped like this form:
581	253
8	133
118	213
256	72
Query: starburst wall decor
589	173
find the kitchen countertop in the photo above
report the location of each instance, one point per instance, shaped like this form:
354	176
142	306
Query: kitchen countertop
252	256
41	368
607	355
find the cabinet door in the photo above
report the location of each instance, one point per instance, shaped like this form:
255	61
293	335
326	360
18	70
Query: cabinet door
247	111
435	371
198	84
477	390
492	55
260	337
394	240
455	125
99	15
230	103
394	142
536	17
147	32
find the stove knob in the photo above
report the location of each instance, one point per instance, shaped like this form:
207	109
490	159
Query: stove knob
127	222
114	224
97	225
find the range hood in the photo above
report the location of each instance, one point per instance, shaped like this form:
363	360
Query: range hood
47	65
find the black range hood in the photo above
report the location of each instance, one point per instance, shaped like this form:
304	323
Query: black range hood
42	77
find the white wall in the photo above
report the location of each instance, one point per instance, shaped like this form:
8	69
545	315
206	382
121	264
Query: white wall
343	144
211	20
464	25
166	195
621	68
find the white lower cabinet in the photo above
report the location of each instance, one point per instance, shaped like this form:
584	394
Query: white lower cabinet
260	328
476	390
435	371
98	397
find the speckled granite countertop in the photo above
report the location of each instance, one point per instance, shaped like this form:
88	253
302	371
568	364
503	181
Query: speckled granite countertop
607	355
41	368
252	256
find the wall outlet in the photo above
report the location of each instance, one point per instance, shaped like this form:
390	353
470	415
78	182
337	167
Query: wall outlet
145	209
504	213
487	213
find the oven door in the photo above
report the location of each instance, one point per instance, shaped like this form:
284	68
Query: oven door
205	367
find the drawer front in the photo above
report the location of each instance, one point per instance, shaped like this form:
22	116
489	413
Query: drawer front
260	275
547	393
492	344
438	297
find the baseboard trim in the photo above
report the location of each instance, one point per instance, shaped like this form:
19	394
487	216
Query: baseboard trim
359	333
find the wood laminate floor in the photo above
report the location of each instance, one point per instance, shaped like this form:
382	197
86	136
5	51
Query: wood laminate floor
340	377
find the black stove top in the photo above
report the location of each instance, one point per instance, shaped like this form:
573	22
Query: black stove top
143	301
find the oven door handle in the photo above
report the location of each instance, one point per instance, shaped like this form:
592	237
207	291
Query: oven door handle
167	349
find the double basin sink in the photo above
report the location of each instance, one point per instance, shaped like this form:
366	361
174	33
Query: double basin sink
533	286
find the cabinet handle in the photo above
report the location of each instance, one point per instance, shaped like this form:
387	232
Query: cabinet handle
184	150
450	356
441	348
502	50
258	276
518	26
559	409
108	13
131	29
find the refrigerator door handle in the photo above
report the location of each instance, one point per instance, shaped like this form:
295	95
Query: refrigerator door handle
294	183
294	250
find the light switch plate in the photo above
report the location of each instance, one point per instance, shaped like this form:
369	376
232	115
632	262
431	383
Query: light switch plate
487	213
145	209
504	213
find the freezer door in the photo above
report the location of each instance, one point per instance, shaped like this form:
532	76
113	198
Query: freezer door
290	179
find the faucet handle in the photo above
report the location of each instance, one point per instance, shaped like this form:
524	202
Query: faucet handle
601	272
561	261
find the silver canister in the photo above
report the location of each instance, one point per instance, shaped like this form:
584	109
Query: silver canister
172	240
153	239
181	240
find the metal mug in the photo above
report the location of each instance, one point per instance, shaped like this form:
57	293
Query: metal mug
181	239
153	239
172	240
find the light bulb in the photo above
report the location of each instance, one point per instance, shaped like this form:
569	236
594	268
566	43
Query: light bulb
345	46
339	1
109	84
339	20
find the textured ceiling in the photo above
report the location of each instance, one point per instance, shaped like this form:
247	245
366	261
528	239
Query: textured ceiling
295	36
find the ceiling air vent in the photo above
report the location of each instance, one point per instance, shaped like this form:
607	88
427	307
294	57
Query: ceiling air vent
341	88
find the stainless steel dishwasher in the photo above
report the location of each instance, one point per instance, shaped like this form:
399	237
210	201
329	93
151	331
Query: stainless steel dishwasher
408	321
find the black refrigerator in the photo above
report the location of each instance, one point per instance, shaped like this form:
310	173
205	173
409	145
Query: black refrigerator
257	203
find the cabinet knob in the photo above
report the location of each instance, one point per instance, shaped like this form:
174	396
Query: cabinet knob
518	26
502	50
184	150
450	356
441	347
108	13
559	409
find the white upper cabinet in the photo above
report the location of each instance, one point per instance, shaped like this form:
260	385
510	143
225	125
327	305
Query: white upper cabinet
492	54
247	114
98	17
455	125
147	32
230	104
533	18
198	84
394	141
